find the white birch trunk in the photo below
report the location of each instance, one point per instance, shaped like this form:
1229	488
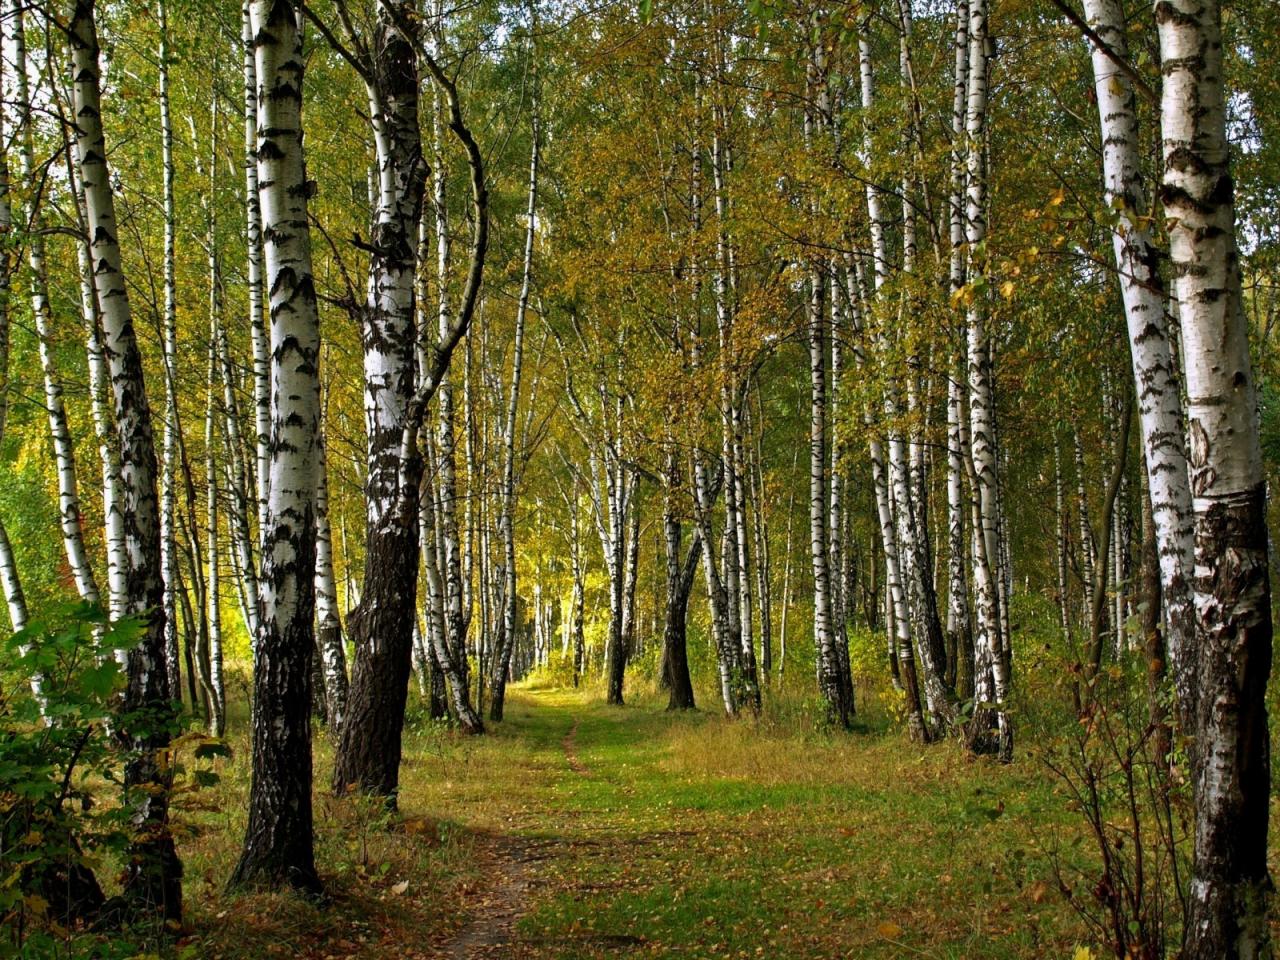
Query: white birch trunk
981	396
253	276
278	838
213	550
100	408
10	579
153	877
328	622
1155	373
1231	589
69	516
169	335
506	519
240	495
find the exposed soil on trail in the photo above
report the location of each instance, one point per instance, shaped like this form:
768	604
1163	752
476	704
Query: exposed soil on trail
490	933
570	744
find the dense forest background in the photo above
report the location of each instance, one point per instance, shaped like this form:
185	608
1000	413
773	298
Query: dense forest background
769	358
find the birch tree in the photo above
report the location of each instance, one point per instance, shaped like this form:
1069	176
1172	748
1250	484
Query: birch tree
991	673
1231	586
506	518
71	522
381	626
152	882
278	845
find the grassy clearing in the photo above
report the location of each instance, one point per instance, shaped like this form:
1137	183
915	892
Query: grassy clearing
696	837
632	832
650	834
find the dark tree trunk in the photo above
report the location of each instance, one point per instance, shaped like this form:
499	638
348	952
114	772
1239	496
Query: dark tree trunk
500	671
1233	759
188	629
381	627
68	886
278	841
616	655
675	653
577	611
439	702
622	628
964	662
319	696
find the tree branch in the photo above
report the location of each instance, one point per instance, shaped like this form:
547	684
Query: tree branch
1105	48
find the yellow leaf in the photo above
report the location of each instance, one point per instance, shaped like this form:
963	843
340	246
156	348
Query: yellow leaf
1006	289
1059	195
888	929
1083	953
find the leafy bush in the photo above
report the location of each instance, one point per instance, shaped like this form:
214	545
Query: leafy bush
56	754
555	674
61	769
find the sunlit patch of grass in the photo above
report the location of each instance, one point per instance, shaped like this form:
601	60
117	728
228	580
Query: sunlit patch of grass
391	878
677	835
711	837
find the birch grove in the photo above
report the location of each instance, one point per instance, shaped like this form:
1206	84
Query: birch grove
892	370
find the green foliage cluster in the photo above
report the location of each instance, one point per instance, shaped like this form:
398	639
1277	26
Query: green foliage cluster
62	825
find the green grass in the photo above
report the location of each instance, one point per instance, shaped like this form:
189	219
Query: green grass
676	836
696	837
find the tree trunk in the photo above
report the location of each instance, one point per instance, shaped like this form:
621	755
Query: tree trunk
169	336
1232	770
69	517
578	602
833	684
680	573
502	658
10	580
959	617
241	496
993	678
1153	637
381	627
213	552
333	657
153	877
99	403
278	845
253	275
1155	374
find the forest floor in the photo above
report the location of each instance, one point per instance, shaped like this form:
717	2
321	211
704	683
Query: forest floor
577	830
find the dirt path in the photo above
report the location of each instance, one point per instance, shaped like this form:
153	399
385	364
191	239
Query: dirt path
570	744
491	931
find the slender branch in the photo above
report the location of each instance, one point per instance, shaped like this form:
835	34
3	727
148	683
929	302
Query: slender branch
1124	65
359	58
